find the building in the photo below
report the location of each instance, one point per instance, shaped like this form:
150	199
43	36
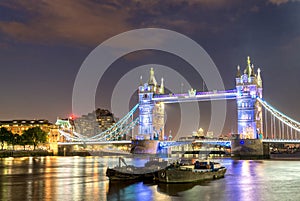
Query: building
105	119
88	125
19	126
66	124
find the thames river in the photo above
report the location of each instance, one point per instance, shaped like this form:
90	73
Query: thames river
83	178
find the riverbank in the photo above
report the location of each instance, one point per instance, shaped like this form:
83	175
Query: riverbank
24	153
285	156
73	153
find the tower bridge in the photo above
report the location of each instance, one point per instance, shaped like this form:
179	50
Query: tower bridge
256	119
248	89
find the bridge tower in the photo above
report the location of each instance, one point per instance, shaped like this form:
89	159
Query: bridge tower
249	86
151	113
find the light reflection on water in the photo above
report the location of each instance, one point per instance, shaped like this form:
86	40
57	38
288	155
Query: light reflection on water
83	178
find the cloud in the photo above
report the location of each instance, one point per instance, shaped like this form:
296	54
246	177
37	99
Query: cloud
292	44
278	2
64	21
3	45
86	22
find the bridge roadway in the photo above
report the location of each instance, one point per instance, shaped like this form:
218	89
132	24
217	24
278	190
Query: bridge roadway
198	96
166	144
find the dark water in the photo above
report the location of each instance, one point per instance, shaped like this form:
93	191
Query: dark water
83	178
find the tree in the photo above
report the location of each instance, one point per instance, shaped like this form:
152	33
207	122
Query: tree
15	139
4	136
23	139
10	139
34	136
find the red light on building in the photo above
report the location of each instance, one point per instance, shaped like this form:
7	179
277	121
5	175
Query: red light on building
72	117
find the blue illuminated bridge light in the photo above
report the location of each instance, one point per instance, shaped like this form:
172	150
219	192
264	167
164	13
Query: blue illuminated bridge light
281	140
167	144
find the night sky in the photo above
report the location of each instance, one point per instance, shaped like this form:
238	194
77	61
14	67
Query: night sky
43	44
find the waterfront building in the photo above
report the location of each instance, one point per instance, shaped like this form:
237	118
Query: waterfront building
19	126
66	124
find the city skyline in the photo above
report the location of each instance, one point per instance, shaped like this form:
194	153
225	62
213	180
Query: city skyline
43	44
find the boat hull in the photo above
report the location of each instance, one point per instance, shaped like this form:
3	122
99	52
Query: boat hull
175	175
116	175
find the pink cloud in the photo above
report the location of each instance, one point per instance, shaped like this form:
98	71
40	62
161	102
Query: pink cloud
278	2
85	22
80	21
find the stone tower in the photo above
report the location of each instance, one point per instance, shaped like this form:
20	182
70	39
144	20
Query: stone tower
249	87
151	113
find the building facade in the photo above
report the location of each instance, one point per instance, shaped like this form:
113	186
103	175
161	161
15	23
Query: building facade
19	126
249	87
88	125
151	121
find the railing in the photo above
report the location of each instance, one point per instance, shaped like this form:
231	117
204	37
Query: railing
280	116
198	96
280	141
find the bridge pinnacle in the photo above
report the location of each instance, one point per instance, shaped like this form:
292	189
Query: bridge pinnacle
248	61
238	74
162	88
248	68
141	81
252	71
259	80
152	80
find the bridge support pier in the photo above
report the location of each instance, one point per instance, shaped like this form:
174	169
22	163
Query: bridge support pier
144	146
65	150
54	148
249	149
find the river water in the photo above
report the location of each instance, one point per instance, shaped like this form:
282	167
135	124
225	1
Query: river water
83	178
